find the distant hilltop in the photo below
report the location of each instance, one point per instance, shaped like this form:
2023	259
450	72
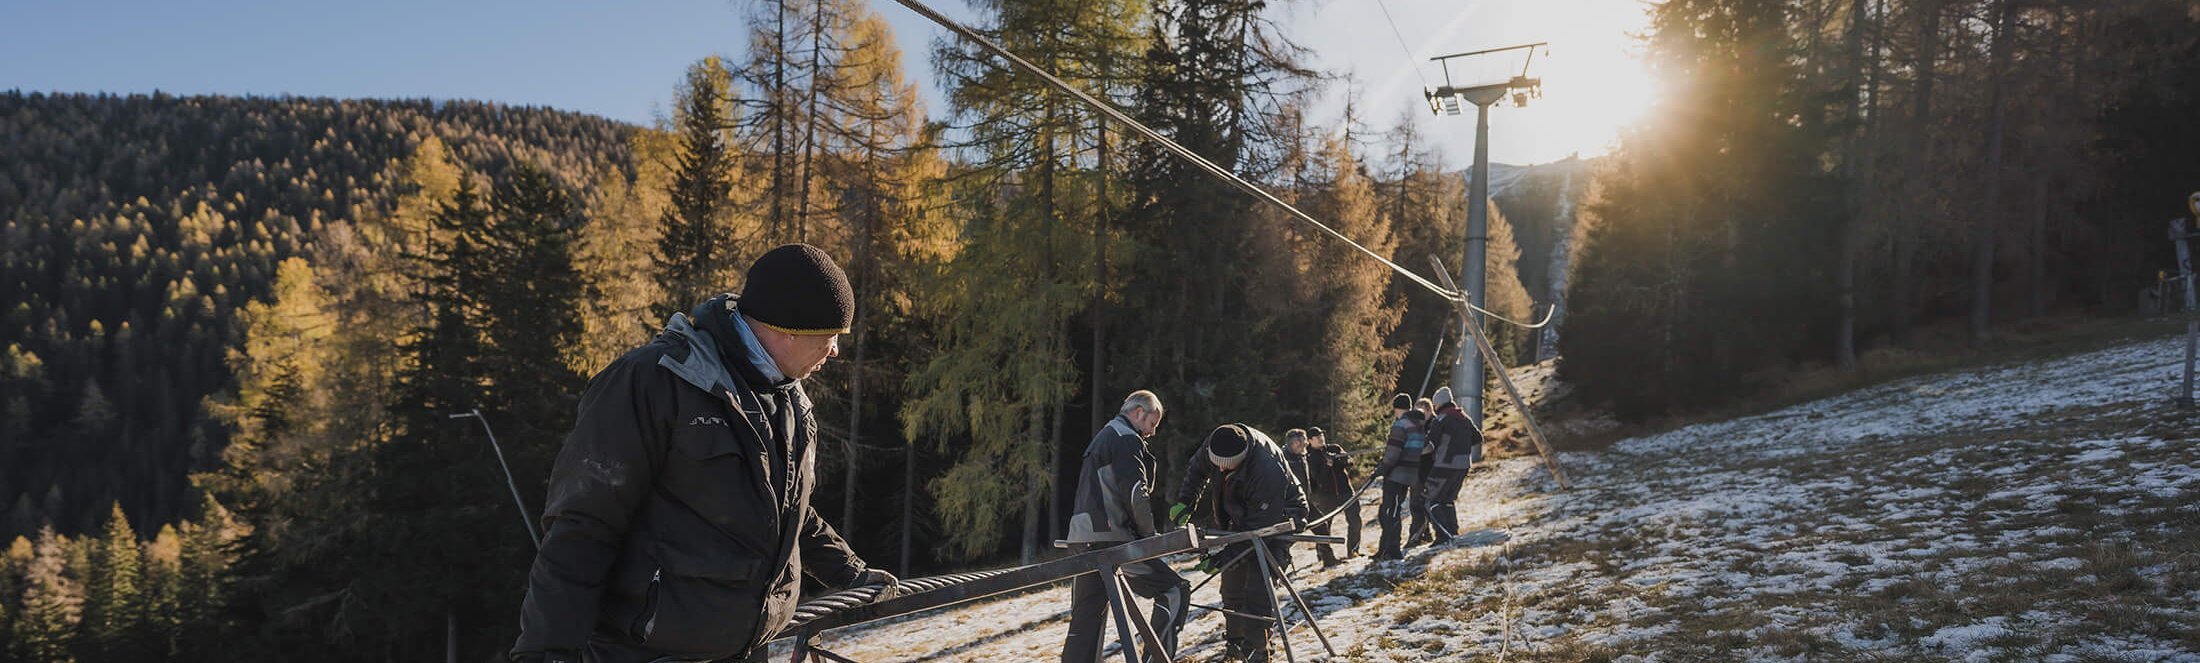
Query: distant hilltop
136	228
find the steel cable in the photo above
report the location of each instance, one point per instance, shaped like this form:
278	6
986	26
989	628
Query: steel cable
1164	142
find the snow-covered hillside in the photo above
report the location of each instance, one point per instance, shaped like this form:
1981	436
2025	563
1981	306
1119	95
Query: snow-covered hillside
2039	511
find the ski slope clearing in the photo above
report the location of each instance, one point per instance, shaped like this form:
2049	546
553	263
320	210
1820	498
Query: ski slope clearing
2040	511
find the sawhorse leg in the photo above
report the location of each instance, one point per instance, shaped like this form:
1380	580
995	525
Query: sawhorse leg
1273	573
804	649
1119	605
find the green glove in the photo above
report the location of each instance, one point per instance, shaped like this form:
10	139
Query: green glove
1180	513
1208	564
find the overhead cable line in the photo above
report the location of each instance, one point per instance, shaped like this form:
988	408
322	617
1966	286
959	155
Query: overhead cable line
1411	63
1163	141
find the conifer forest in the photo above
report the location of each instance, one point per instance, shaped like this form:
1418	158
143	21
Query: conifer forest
234	329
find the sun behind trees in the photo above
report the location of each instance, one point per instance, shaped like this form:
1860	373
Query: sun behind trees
1827	178
272	306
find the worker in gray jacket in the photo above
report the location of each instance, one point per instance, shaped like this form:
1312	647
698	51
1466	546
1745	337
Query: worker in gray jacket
1255	489
1400	472
1114	505
1455	443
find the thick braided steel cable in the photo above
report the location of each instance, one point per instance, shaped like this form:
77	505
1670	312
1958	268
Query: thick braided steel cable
1163	141
1548	314
1352	503
858	596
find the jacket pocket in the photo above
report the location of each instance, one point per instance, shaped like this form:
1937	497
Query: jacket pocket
700	604
707	441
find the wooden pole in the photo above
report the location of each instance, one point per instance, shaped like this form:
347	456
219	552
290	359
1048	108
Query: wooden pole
1482	343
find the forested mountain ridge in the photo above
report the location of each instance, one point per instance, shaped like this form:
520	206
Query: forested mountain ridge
133	231
1543	202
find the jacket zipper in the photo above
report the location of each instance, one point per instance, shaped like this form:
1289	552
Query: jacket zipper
646	622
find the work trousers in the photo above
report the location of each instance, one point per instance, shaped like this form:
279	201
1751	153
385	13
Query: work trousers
1392	516
1351	517
1088	606
1245	590
1443	501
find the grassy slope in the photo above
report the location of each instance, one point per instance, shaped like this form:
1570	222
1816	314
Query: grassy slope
2036	508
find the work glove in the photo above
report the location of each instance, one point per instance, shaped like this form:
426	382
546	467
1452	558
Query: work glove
1209	563
1180	513
889	586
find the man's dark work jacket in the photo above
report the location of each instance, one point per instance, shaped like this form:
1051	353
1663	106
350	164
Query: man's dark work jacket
1114	487
1259	493
679	516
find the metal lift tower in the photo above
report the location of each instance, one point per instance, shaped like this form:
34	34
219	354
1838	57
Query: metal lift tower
1466	375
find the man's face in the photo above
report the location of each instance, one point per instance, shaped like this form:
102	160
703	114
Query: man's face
1316	440
1298	446
1145	421
797	356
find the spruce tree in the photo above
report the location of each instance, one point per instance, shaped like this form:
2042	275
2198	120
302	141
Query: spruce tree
697	247
1032	185
114	606
206	568
527	310
163	591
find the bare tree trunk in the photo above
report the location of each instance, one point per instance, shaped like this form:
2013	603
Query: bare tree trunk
1850	224
1982	232
1056	527
1032	489
2039	242
775	225
1100	284
809	125
908	503
847	524
1921	115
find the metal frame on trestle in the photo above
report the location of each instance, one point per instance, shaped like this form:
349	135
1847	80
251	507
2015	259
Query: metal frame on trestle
853	607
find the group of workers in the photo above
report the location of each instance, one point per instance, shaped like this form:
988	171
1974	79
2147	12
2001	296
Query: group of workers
1258	484
678	525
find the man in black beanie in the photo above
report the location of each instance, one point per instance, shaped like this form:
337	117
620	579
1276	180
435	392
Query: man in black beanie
1330	489
1255	489
679	524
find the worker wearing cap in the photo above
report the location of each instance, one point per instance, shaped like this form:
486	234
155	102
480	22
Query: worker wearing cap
1330	488
1455	443
1400	471
1254	490
679	525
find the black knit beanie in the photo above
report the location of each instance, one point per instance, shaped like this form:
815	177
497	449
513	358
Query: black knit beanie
1227	444
797	289
1401	402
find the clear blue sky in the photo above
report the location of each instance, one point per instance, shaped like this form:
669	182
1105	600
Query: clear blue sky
622	58
616	58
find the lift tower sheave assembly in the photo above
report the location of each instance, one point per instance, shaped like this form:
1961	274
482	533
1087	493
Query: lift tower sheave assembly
1466	375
